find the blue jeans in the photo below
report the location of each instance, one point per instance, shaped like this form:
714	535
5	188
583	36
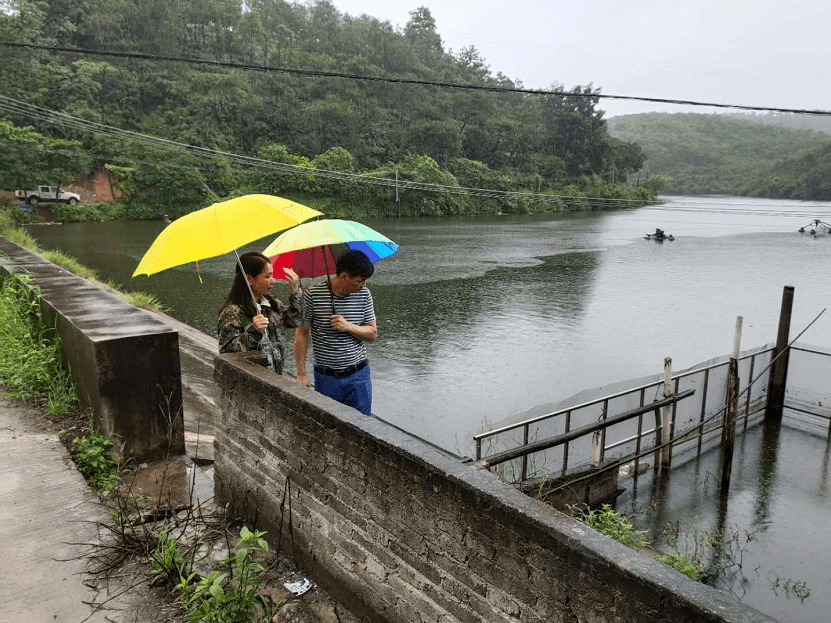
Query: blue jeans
354	390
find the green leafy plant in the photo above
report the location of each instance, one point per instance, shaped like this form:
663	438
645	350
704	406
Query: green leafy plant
228	596
609	522
93	459
680	562
168	560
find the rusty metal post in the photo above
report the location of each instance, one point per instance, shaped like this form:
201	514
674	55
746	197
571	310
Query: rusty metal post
666	416
779	371
728	431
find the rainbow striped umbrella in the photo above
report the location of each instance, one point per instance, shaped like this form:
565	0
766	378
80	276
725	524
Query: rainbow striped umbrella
311	249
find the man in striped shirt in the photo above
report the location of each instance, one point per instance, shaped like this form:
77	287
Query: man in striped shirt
341	320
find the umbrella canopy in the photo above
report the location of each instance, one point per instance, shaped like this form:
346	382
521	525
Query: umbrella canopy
221	228
312	249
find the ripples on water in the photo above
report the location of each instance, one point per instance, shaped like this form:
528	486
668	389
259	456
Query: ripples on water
484	317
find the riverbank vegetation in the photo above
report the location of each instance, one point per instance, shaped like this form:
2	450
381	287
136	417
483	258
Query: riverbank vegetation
31	365
746	155
178	135
32	368
10	219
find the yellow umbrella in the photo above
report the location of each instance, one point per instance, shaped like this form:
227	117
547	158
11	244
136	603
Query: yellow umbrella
221	228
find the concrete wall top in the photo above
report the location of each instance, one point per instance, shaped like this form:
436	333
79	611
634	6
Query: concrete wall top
100	315
123	360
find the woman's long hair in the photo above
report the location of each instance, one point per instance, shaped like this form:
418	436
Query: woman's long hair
239	294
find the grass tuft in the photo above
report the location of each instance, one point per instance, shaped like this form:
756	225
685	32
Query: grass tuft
31	361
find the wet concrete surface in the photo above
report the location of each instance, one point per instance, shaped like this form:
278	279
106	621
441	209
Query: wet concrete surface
47	515
196	358
171	485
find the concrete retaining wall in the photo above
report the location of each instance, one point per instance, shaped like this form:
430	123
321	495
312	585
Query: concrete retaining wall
402	533
124	361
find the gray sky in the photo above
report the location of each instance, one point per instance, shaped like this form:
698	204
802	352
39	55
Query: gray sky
772	53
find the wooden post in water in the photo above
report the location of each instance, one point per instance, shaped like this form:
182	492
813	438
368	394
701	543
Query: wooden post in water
728	431
666	416
779	371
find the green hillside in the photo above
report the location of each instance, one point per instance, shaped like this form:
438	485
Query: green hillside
807	176
713	154
279	126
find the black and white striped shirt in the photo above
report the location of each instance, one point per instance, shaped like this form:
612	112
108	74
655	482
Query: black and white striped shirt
337	349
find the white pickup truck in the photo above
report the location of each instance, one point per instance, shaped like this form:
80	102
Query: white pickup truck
47	194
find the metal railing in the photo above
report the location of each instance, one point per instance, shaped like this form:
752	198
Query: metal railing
606	419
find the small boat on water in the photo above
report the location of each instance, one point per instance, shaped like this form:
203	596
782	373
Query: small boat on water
659	236
815	227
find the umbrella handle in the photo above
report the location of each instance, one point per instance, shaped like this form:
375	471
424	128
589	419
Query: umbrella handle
250	291
328	277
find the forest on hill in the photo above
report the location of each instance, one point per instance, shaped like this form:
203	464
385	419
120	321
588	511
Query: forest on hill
734	154
202	130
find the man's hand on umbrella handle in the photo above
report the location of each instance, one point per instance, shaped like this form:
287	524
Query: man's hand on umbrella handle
339	323
303	379
293	279
260	322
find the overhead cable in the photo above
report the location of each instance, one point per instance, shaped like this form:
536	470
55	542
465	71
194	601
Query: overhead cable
453	85
11	105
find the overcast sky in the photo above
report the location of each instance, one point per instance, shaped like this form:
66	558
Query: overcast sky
772	53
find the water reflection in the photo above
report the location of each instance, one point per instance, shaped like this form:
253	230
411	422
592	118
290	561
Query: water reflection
766	473
772	528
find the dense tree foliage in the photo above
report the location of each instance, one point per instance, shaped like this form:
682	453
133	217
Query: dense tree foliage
309	135
719	154
807	176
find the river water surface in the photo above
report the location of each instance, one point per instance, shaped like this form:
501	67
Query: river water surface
483	318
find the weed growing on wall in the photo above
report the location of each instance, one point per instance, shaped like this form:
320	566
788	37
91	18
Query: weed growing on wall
609	522
679	561
31	364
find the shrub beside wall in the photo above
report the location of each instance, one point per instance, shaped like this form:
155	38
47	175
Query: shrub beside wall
402	533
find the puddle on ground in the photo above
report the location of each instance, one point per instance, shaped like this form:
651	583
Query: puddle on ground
176	483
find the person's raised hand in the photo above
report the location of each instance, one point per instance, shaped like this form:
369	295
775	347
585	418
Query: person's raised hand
293	279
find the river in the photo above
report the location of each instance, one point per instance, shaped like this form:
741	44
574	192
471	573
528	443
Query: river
483	318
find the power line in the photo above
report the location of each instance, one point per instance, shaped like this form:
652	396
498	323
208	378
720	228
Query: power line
14	106
451	85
